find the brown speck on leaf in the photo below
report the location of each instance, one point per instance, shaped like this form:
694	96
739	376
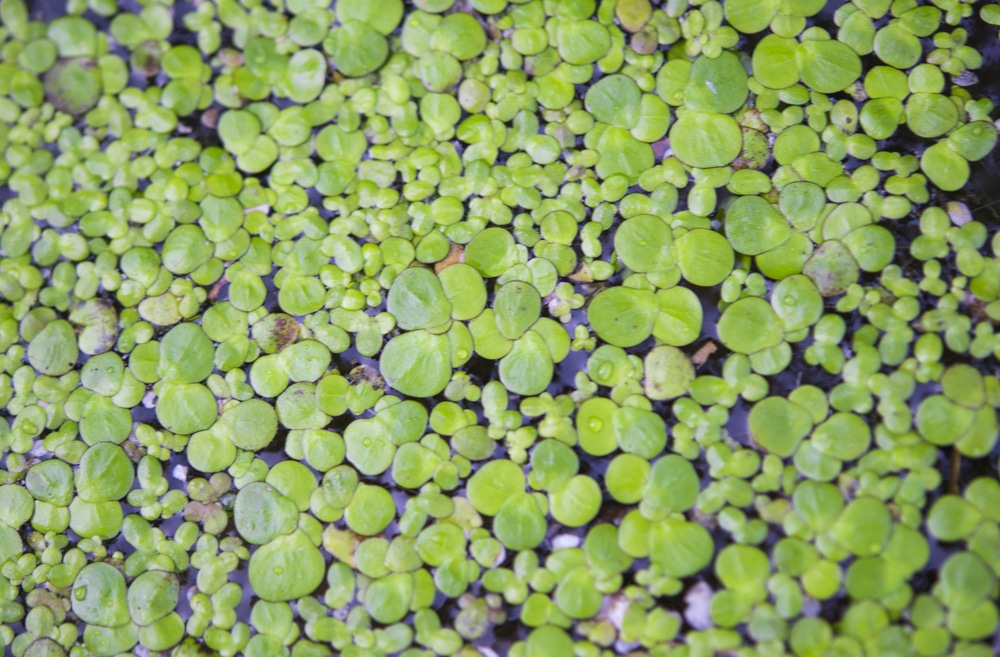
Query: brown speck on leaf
213	294
701	356
455	254
660	147
210	118
582	274
134	451
956	470
366	374
977	309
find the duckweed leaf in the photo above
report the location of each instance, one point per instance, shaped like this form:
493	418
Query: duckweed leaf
262	514
465	290
644	243
491	252
952	518
105	473
582	42
186	407
186	354
519	523
356	48
99	594
575	502
493	483
716	84
827	66
54	350
622	154
417	300
614	100
944	167
704	256
750	325
706	139
930	115
844	436
832	268
516	307
750	17
771	59
897	47
672	486
779	425
370	511
152	596
417	363
383	15
622	316
797	302
863	526
286	568
594	425
753	226
527	369
388	598
973	140
668	373
73	85
680	548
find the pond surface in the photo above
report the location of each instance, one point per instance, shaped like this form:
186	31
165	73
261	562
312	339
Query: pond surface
709	373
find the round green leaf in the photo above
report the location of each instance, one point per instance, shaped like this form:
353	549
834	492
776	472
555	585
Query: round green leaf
704	256
186	407
668	373
520	524
262	514
356	48
105	473
417	363
99	595
614	99
622	316
152	596
644	243
779	425
716	84
53	351
287	568
706	139
749	325
827	66
417	300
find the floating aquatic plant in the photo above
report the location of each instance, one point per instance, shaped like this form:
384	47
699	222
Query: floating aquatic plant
527	328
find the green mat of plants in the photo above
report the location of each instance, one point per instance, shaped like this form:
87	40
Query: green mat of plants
475	328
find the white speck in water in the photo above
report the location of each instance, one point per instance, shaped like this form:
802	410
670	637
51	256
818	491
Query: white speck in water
180	472
613	610
501	557
696	612
958	212
563	541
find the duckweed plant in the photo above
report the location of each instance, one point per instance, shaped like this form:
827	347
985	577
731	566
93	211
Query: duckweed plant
484	327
